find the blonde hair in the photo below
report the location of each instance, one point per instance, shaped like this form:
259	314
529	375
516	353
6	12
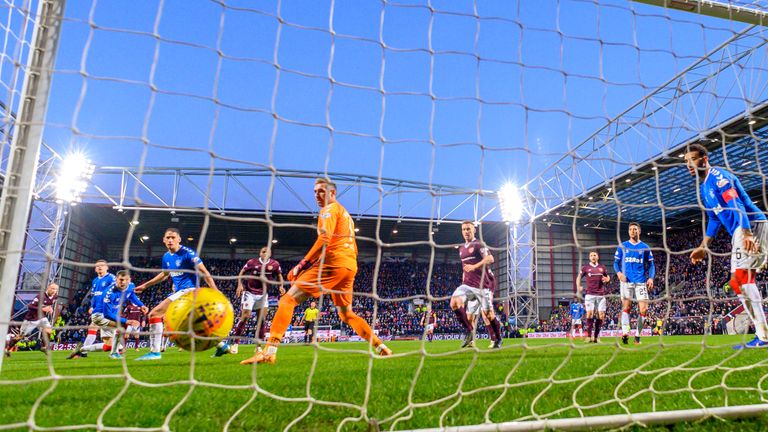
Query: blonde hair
331	185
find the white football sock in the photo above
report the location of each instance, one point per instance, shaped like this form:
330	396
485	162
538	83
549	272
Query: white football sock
93	347
624	323
89	340
156	337
755	306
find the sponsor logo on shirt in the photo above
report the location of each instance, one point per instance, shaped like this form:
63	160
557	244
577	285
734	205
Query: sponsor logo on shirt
176	273
633	260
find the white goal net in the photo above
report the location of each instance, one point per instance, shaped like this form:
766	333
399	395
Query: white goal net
548	125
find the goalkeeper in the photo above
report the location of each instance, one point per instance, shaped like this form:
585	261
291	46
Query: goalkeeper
329	267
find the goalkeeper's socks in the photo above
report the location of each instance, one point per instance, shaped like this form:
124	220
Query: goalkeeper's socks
461	314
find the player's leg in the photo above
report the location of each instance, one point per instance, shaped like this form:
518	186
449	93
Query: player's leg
342	298
589	305
246	306
156	328
601	308
302	288
493	321
458	300
261	325
626	306
643	309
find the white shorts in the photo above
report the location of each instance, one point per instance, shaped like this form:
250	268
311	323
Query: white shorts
177	295
473	307
106	326
742	260
132	330
592	302
28	327
251	301
468	293
633	291
576	322
430	327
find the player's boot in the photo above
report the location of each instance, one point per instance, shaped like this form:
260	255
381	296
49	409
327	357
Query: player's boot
221	349
383	351
76	353
756	343
233	349
150	356
6	353
637	340
260	357
625	339
497	344
469	340
115	356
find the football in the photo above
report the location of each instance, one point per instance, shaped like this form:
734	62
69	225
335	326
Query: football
199	319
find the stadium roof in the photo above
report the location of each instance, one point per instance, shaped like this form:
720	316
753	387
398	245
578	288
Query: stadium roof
290	230
660	193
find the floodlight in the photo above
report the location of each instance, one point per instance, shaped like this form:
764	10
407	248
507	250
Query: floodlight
72	180
274	241
233	240
510	203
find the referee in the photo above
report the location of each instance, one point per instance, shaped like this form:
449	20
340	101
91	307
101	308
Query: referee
309	319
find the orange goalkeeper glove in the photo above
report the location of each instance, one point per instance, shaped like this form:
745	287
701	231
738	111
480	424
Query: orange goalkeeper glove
296	271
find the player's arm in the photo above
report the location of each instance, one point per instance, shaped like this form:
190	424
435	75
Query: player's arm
617	258
280	279
159	278
111	313
206	275
579	288
135	299
651	268
326	226
239	290
486	261
731	195
301	321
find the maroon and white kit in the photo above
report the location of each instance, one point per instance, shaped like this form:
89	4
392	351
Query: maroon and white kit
33	319
595	293
479	283
255	288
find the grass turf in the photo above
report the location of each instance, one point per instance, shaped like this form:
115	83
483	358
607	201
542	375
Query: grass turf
311	389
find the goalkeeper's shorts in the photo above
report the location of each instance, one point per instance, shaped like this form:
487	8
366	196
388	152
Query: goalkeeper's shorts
336	281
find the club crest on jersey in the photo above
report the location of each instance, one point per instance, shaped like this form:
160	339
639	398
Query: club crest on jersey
178	262
471	250
269	268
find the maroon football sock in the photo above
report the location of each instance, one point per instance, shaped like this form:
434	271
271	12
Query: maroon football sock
461	314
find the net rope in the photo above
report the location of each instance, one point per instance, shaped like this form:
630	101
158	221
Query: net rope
585	167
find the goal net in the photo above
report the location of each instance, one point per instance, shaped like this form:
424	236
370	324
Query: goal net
548	125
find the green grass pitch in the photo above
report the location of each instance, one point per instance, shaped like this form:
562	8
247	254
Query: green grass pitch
327	388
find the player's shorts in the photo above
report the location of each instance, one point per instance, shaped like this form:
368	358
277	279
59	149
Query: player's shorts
309	325
595	302
251	301
430	328
631	291
132	330
28	327
177	295
576	322
337	281
106	326
468	293
473	307
742	260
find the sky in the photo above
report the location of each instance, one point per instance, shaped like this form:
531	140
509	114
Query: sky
444	92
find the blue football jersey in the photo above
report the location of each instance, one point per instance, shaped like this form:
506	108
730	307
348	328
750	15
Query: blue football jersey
175	263
99	286
727	203
577	311
631	259
115	299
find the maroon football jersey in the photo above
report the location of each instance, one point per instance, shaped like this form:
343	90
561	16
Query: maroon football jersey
132	312
472	253
431	318
33	307
594	276
252	273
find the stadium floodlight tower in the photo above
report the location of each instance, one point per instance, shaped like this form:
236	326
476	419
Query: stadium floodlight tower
522	302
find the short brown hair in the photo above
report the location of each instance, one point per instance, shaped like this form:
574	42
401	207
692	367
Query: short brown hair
635	224
123	273
320	180
100	261
467	222
699	148
173	229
